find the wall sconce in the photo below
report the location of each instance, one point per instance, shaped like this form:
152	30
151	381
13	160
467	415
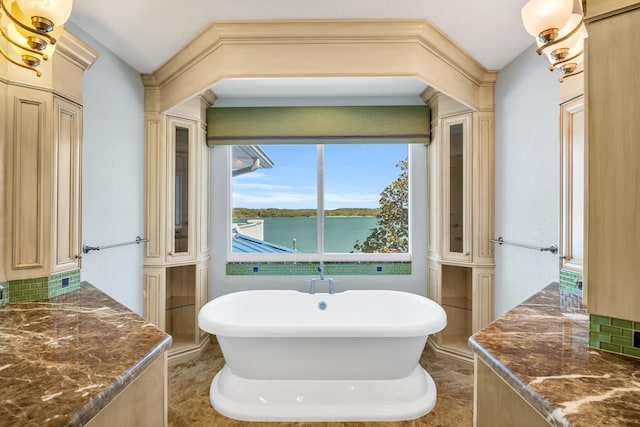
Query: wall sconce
559	31
31	28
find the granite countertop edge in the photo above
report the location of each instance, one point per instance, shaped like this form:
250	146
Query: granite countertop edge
538	402
540	349
106	396
102	399
66	358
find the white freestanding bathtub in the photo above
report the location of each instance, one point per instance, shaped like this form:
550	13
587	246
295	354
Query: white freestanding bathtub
349	356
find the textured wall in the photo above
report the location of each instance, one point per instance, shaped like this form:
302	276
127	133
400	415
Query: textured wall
527	177
113	174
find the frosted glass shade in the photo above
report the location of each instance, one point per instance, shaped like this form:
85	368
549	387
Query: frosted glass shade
541	15
57	11
18	38
575	20
578	60
575	44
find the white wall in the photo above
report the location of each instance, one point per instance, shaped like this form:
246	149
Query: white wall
113	173
527	158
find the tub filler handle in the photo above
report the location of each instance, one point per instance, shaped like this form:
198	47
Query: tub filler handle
312	285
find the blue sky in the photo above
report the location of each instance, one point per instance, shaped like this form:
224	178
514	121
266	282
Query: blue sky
355	175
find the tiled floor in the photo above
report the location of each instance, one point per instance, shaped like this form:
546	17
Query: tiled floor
189	395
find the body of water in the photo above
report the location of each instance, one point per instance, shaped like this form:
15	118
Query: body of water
340	232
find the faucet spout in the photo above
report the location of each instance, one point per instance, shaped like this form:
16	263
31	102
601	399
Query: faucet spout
312	284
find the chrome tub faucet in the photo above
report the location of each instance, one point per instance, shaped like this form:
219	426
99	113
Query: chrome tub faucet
312	285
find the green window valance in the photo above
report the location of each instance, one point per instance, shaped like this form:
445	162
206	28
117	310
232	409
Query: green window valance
295	125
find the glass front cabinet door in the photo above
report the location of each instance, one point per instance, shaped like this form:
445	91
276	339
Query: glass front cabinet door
181	140
456	180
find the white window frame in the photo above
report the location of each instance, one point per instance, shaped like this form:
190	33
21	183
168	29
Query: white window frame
221	168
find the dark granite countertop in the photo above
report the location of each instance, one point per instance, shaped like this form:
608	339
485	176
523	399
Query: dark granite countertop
63	359
541	349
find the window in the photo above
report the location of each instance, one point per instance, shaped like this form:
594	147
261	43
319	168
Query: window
307	201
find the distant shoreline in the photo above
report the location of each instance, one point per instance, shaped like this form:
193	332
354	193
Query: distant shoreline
241	213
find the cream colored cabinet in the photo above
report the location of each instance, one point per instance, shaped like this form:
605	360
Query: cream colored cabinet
3	188
460	194
456	188
67	204
43	183
177	255
183	140
572	184
497	404
612	89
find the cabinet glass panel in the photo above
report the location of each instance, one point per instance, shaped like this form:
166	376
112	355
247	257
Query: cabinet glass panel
572	185
577	187
456	183
181	213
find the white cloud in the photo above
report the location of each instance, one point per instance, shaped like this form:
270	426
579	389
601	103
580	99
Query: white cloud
281	197
256	186
274	199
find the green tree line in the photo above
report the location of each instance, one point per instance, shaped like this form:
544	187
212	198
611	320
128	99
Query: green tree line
297	213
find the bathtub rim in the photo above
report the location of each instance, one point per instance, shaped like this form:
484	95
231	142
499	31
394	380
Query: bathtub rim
424	327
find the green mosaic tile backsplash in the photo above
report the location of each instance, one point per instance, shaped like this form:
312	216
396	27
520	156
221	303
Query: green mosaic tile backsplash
614	335
5	293
311	269
568	282
43	287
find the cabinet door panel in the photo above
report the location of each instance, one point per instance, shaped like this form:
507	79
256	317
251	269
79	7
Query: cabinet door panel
28	183
572	185
456	167
612	271
182	176
67	130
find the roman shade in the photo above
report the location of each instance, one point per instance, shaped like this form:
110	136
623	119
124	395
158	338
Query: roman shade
299	125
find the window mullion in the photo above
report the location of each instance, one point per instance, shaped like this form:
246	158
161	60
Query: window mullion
320	197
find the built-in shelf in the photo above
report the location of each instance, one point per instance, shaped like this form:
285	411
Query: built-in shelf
181	340
457	302
458	343
180	306
174	302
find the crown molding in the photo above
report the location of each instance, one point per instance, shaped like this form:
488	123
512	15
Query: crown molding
321	48
76	51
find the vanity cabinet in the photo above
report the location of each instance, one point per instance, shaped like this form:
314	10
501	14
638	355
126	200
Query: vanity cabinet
460	194
177	256
612	90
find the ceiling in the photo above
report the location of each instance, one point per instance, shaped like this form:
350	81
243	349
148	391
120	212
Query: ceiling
147	33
